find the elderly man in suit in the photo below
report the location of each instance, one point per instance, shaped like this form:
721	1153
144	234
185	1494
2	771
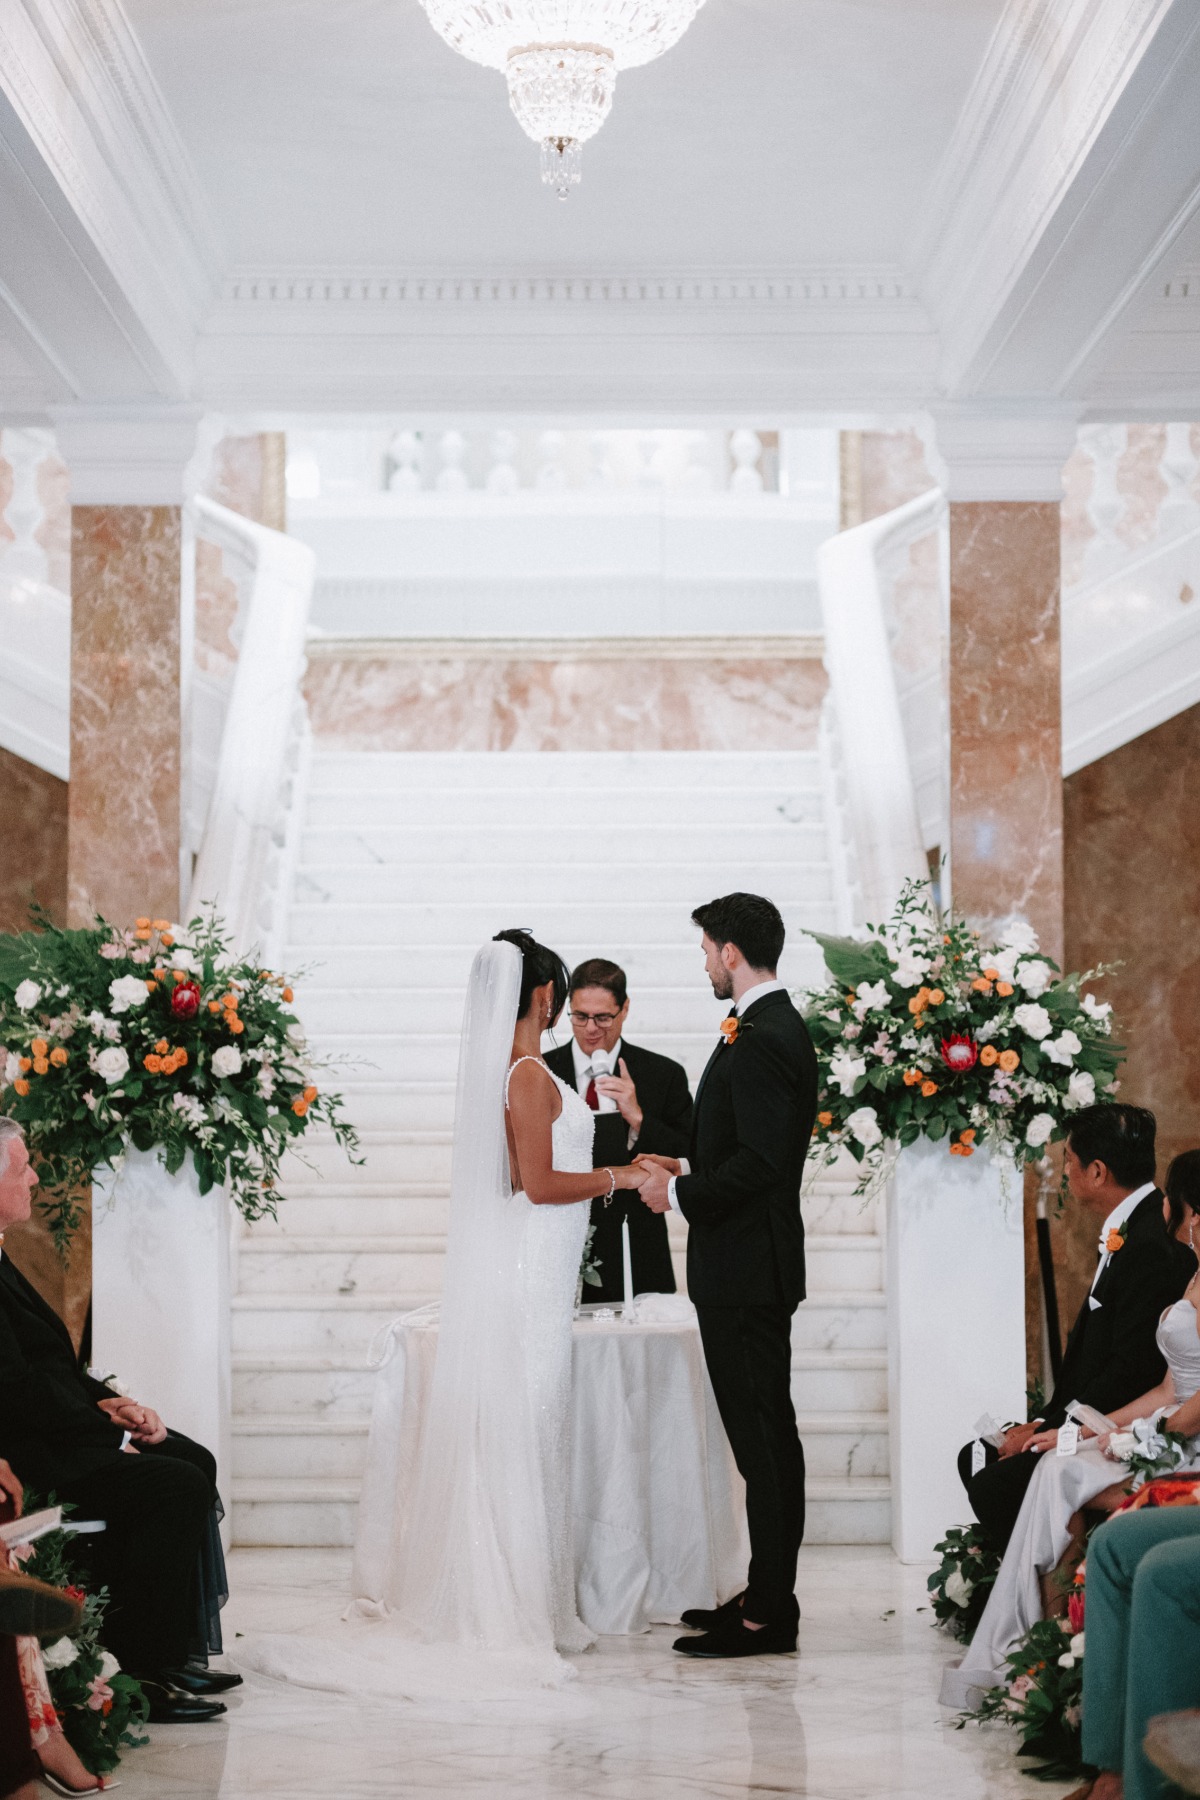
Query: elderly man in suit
69	1435
642	1105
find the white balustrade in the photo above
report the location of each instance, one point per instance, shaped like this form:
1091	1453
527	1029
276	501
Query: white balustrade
35	619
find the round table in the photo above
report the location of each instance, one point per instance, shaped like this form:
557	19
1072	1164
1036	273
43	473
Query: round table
659	1509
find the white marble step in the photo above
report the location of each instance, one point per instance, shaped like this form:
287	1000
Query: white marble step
333	964
323	1511
412	1263
383	771
388	1004
707	807
572	838
282	1447
543	884
587	920
268	1323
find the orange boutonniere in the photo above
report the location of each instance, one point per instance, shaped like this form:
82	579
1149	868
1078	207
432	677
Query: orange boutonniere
1114	1240
729	1029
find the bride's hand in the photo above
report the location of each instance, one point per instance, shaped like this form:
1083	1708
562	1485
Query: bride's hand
630	1176
671	1164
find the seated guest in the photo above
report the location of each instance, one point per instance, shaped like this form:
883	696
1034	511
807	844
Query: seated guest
643	1104
1143	1643
1111	1355
69	1436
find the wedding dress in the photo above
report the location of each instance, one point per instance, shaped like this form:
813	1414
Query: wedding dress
479	1590
1061	1486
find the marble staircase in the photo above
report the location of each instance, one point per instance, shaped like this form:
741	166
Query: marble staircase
407	862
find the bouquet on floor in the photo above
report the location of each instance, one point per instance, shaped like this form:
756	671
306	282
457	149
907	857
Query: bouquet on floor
925	1031
960	1585
1043	1696
160	1038
100	1708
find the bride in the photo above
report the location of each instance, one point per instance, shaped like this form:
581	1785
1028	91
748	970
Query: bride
481	1573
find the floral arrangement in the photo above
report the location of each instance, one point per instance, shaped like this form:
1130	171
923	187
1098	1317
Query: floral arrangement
960	1585
1148	1449
1043	1696
154	1037
98	1706
927	1032
589	1268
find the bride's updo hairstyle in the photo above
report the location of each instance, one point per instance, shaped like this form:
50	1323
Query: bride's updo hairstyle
538	966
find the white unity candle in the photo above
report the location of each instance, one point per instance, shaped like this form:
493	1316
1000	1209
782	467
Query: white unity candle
626	1273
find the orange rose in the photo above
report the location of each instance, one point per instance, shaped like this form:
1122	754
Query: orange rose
26	1063
58	1056
967	1137
142	924
161	924
928	1089
21	1085
152	987
911	1077
288	995
945	937
1009	1060
142	934
917	1003
936	997
991	974
178	975
989	1055
229	1000
214	1006
167	939
162	1046
1114	1241
981	986
40	1065
235	1024
1004	989
300	1106
310	1094
153	1063
181	1059
39	1046
825	1118
729	1029
961	1150
264	974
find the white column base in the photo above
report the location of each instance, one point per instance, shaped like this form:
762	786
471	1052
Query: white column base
956	1328
160	1296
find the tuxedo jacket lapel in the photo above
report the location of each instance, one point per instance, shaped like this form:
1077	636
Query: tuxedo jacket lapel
26	1296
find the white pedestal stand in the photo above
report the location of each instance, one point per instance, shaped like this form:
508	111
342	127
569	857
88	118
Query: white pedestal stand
956	1328
160	1296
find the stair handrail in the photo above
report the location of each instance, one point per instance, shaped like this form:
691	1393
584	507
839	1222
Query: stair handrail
239	864
880	795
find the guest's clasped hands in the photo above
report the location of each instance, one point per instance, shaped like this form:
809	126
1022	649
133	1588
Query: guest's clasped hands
141	1422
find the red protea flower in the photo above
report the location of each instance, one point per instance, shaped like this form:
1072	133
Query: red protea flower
959	1053
185	1001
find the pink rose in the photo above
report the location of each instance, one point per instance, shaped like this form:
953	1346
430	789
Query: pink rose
100	1694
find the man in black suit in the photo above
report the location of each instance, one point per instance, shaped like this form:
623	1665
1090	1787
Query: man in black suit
642	1104
70	1436
1111	1356
739	1191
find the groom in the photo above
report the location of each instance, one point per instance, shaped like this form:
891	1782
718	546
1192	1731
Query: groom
739	1190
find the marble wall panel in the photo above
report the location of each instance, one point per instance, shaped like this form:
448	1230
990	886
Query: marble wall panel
1141	484
247	475
894	470
7	534
473	702
124	804
33	842
1005	714
53	532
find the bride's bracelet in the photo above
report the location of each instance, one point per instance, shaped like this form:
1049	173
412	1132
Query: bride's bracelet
612	1187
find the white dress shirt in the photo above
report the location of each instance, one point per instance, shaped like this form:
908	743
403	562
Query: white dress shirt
593	1068
739	1007
1115	1219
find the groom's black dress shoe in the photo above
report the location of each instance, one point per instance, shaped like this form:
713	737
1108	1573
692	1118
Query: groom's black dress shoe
201	1681
169	1705
732	1638
702	1618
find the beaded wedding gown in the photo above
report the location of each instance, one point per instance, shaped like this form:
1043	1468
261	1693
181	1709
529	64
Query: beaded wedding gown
1061	1486
479	1595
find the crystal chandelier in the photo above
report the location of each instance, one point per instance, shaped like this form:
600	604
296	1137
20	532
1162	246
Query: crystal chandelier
561	59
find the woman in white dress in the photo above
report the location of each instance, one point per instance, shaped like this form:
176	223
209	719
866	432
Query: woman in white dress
479	1590
1064	1485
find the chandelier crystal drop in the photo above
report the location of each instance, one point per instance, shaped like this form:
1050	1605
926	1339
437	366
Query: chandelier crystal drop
560	58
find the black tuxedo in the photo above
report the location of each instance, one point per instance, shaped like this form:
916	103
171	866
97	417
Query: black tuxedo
666	1103
156	1504
755	1109
1111	1356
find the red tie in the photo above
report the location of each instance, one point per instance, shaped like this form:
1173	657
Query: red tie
591	1096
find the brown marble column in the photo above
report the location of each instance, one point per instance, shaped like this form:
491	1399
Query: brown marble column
1002	472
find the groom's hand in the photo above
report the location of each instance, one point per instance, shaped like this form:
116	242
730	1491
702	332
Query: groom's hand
671	1164
654	1190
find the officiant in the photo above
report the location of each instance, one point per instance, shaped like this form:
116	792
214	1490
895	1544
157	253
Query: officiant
642	1104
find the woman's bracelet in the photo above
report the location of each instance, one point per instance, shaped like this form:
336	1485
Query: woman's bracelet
612	1187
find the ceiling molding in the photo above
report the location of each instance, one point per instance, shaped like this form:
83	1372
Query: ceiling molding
799	646
84	117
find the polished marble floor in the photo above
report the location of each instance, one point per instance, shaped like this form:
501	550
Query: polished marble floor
854	1716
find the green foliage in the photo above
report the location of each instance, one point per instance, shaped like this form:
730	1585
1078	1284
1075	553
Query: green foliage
98	1054
1042	1699
960	1585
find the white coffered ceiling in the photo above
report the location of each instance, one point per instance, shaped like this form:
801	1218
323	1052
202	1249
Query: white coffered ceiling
808	208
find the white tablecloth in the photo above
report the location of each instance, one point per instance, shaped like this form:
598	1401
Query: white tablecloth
659	1509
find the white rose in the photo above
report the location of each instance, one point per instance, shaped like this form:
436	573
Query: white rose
864	1125
295	1035
186	960
227	1060
109	1666
1034	1020
911	967
1035	977
1122	1444
1063	1049
1019	937
1096	1009
872	996
845	1070
112	1064
28	994
1081	1089
1067	1661
959	1589
61	1654
1005	964
1077	1644
12	1067
127	991
1039	1128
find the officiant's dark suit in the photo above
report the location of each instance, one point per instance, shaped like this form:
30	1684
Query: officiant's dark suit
156	1503
1111	1356
666	1102
755	1109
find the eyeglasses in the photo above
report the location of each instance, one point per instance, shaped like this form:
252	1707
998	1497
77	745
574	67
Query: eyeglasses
601	1021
